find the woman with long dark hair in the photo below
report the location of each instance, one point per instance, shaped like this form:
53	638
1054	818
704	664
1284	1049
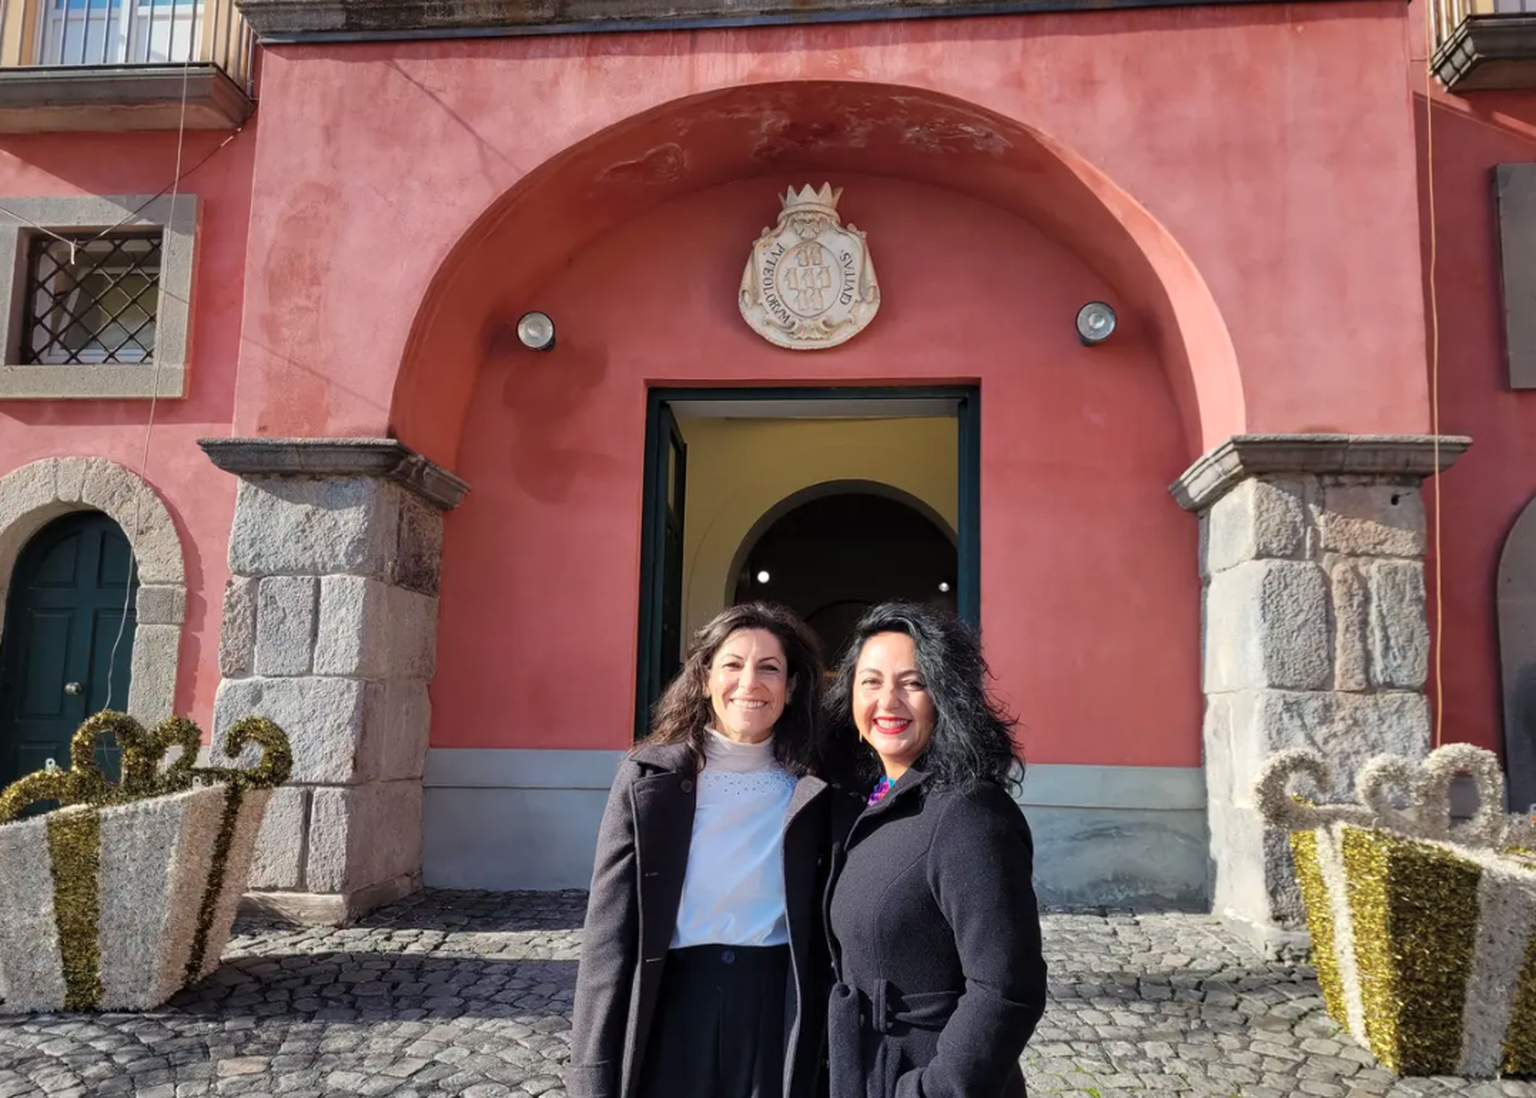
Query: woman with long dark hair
703	961
934	930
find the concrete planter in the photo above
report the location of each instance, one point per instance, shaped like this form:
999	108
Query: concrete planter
1422	931
127	893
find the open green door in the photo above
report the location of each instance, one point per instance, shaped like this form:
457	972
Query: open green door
661	556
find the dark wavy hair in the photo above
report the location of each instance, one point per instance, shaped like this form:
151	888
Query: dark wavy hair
972	735
684	711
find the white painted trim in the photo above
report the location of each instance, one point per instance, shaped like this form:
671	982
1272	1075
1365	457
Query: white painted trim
519	768
1147	788
521	818
1054	785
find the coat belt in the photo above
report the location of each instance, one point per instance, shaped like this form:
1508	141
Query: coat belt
883	1008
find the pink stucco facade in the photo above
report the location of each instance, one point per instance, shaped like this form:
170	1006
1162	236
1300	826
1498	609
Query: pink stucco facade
200	499
1244	183
423	195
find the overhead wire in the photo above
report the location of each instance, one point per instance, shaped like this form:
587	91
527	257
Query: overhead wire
154	389
1437	641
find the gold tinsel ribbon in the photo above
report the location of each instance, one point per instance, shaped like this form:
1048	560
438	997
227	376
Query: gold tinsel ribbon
1520	1036
1415	911
233	799
1314	893
74	849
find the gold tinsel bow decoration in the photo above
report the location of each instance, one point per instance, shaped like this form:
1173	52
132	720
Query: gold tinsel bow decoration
142	754
1424	789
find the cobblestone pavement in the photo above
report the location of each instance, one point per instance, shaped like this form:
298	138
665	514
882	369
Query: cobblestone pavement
469	994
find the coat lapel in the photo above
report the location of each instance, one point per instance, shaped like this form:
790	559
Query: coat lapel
807	789
663	802
664	805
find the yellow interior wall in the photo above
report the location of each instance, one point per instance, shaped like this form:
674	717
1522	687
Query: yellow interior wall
739	468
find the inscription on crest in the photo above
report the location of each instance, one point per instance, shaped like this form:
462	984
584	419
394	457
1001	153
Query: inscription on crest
809	282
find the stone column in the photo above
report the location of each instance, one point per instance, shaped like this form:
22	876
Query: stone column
1313	633
330	629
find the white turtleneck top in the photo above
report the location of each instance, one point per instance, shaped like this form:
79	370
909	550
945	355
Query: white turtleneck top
733	890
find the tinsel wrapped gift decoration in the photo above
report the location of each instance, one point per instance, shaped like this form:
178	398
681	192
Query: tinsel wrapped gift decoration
1422	927
127	892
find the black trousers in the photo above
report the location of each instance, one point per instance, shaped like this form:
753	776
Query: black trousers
719	1025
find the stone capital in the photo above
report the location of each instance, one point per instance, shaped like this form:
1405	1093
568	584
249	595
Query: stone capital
383	458
1396	458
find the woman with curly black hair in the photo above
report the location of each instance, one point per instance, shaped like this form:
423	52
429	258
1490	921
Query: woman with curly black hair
934	930
703	965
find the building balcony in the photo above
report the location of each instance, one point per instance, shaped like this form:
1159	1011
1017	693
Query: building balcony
124	65
1481	45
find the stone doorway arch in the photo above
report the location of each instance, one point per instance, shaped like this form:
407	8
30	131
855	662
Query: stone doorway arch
36	493
832	551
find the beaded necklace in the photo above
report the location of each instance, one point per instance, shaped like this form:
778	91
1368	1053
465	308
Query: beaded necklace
882	787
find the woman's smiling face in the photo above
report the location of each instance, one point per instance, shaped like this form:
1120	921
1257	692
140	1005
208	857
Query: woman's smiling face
748	685
892	708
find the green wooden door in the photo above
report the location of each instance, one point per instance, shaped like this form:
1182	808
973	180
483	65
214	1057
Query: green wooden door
661	611
63	612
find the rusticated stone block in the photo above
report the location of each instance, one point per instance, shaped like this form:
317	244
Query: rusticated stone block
152	686
375	630
419	550
279	858
363	835
1351	621
1259	519
1346	729
285	624
1266	625
161	604
324	719
237	634
1399	629
295	526
1377	520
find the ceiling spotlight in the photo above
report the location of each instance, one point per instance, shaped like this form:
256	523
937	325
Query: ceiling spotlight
762	577
944	587
1095	323
536	331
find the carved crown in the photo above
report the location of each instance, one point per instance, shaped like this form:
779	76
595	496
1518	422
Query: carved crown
822	201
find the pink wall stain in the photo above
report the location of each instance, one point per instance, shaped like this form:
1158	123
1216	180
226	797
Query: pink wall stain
1088	567
200	498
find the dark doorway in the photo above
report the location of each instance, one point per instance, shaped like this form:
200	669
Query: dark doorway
832	558
65	607
914	549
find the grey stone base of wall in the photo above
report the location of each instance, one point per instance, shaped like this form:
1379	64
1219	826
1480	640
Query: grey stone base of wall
328	908
1104	835
1274	942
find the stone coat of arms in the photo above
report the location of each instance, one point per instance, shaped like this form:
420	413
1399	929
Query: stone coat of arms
809	283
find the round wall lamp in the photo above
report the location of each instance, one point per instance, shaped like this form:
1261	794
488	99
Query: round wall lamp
536	331
1095	323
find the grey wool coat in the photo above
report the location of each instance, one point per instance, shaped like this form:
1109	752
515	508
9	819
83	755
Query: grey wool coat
637	883
936	946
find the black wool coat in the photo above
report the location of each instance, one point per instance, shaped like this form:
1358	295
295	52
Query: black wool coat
935	939
637	883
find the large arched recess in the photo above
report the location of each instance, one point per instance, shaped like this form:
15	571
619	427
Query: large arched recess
815	129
